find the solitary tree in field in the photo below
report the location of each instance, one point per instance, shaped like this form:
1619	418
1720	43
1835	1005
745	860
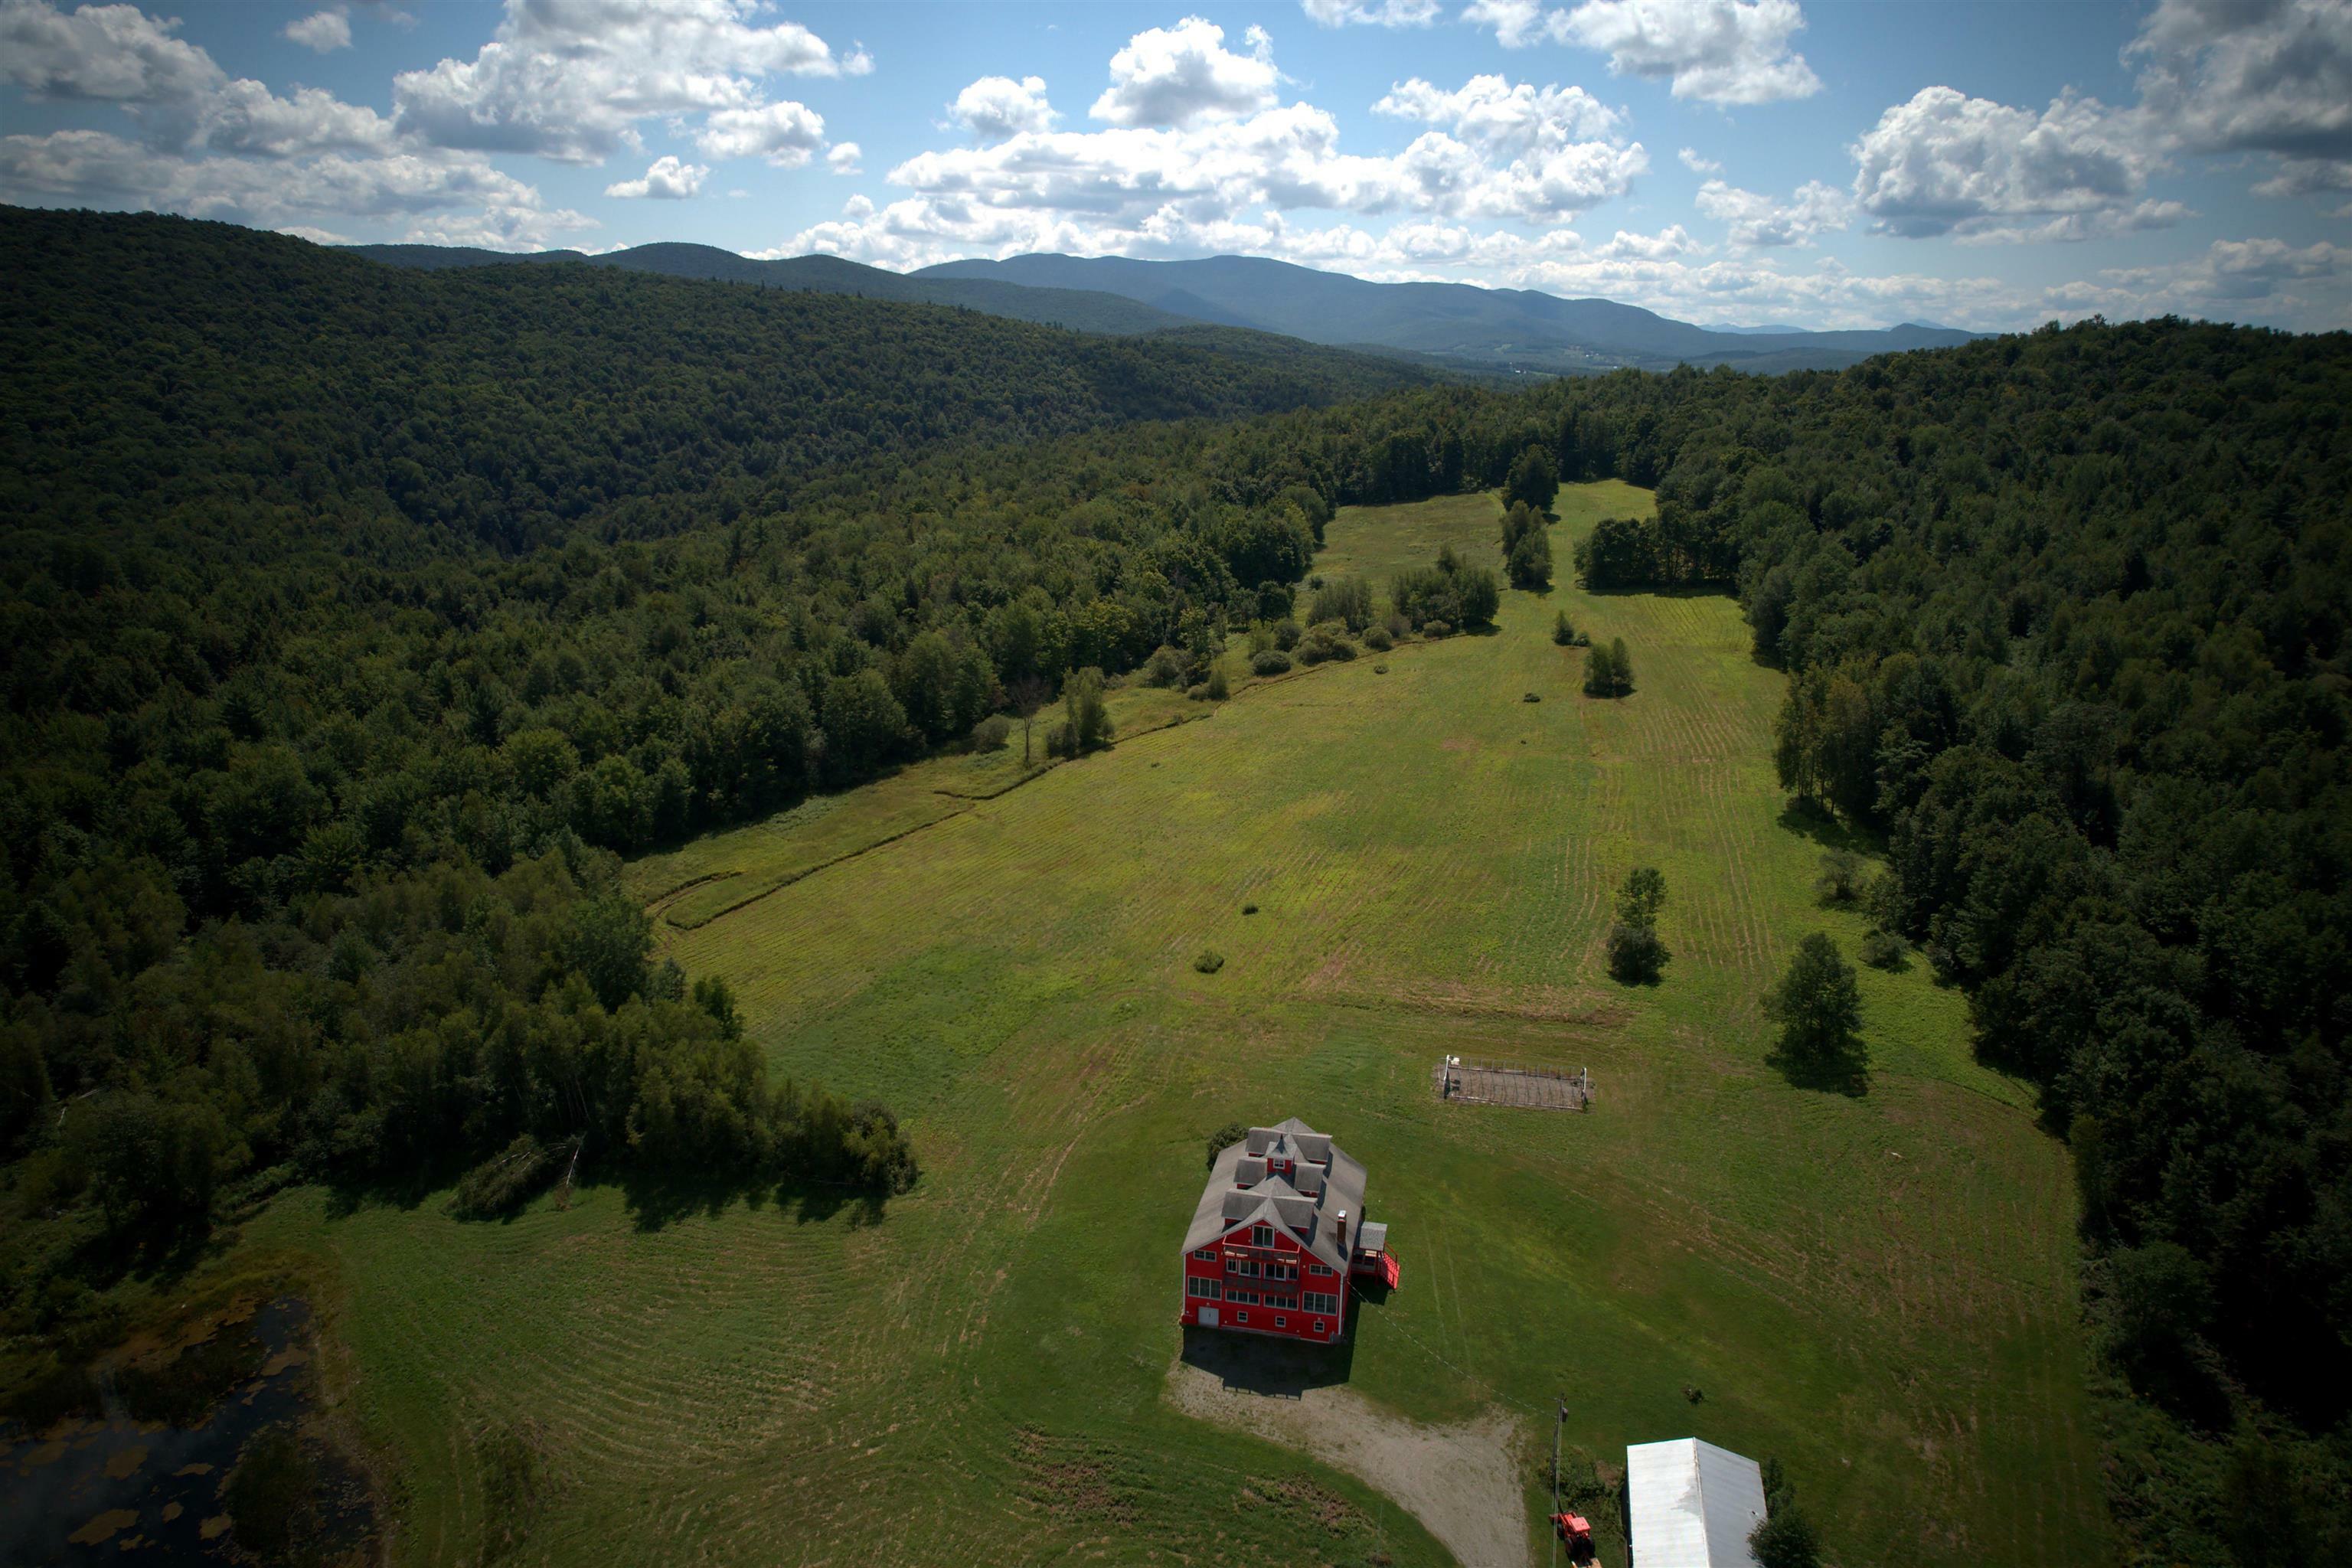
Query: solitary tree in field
1028	695
1600	675
1818	1005
1609	671
1529	561
1636	953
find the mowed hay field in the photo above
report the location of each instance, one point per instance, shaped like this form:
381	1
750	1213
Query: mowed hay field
1877	1289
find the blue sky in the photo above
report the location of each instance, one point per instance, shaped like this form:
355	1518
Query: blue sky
1721	161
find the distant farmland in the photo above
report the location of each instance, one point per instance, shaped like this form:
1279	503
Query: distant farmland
1877	1291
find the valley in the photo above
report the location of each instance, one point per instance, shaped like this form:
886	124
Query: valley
1878	1290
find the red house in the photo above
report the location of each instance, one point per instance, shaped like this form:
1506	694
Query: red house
1279	1231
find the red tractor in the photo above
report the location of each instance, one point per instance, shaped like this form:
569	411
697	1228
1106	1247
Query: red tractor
1575	1534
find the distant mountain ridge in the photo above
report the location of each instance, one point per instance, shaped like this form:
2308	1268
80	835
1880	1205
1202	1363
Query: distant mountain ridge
1459	321
1088	311
1454	325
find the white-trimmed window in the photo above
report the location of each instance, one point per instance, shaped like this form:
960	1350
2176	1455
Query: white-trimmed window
1208	1289
1240	1317
1207	1254
1318	1270
1262	1235
1282	1322
1318	1325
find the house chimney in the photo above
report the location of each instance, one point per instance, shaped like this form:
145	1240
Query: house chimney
1342	1235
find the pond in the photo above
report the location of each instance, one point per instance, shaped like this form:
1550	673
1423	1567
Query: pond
146	1473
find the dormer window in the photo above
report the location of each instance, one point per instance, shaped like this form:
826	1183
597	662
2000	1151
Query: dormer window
1262	1235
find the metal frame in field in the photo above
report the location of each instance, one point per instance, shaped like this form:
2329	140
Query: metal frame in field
1534	1089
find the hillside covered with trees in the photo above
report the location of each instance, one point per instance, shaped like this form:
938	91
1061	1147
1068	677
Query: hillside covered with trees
354	618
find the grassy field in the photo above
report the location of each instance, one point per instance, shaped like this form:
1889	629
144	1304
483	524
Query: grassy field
1877	1289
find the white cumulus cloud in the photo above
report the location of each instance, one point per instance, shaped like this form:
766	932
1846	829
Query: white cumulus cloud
1945	163
570	80
1716	51
786	133
666	180
1184	74
1758	222
1371	13
216	146
996	108
1697	165
322	32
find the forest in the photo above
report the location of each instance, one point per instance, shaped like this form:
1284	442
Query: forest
355	619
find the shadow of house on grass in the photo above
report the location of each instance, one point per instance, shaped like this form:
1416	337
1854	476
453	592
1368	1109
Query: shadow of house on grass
1264	1364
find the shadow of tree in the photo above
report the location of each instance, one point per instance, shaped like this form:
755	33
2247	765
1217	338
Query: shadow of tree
1807	819
1847	1074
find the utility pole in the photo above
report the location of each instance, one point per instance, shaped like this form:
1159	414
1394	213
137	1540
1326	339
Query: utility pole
1560	1420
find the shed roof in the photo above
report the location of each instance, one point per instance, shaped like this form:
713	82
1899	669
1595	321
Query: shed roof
1693	1504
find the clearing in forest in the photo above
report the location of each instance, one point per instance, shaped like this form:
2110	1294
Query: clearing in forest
1879	1290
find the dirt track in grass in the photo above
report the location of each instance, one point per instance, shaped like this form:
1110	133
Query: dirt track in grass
1458	1480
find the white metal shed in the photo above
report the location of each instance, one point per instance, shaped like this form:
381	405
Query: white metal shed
1693	1504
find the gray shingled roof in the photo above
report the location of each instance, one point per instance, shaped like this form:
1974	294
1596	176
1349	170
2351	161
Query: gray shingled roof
1308	1211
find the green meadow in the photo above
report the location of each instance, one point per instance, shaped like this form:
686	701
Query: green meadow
1878	1289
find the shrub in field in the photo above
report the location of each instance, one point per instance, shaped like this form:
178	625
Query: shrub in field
1843	879
1324	643
1271	661
1166	666
1210	961
1286	634
1217	688
1452	591
1085	724
1784	1537
1225	1137
1884	949
1637	955
1378	639
990	733
1348	600
1436	629
509	1179
1481	596
1562	632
